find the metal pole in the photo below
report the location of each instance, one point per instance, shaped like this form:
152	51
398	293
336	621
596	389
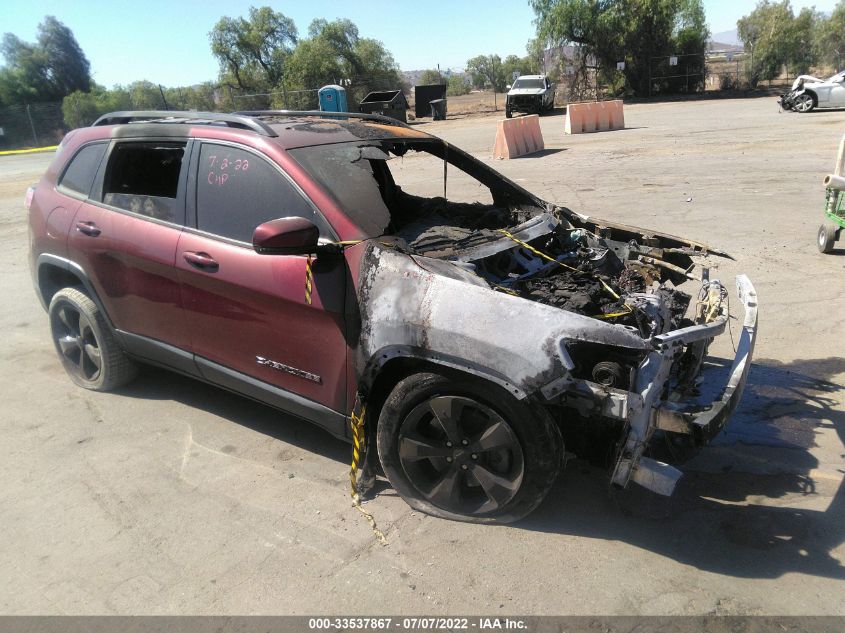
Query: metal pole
649	76
161	90
32	125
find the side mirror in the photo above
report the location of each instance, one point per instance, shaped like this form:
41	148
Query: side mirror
508	87
286	236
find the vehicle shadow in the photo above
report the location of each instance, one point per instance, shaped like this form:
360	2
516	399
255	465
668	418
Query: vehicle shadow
726	518
723	518
160	384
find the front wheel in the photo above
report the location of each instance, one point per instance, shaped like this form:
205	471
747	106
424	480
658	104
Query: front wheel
804	103
827	236
508	113
462	449
85	344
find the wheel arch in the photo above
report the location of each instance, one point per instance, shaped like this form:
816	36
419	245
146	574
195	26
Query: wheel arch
54	273
393	364
813	94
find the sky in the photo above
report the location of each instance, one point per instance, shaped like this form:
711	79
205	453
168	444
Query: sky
166	41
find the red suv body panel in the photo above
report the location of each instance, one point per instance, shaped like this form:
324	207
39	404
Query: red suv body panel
130	264
253	307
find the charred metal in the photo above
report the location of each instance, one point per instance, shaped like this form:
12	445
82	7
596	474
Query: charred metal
605	325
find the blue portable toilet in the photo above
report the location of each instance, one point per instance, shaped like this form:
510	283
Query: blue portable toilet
333	99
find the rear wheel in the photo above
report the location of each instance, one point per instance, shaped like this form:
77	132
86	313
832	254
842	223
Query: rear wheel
804	103
86	346
466	450
827	236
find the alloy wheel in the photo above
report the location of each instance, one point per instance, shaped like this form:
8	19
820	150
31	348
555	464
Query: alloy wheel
461	455
804	103
77	342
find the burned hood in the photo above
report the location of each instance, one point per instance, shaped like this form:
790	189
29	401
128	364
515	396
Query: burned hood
429	308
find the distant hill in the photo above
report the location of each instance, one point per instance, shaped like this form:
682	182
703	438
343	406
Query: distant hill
723	47
727	37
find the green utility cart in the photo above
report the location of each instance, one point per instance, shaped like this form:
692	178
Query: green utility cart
834	208
834	219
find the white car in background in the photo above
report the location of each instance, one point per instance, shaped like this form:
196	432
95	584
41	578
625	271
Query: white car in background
810	92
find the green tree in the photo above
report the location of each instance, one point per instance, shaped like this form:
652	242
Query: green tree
252	52
457	86
487	70
83	108
430	78
777	39
830	38
200	97
633	31
47	70
522	65
536	49
335	53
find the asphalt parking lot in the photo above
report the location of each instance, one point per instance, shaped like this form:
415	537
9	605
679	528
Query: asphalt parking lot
172	497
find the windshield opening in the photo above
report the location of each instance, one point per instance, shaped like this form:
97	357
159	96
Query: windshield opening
528	83
390	188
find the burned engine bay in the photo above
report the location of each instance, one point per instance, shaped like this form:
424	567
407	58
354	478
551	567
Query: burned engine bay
548	261
517	244
540	254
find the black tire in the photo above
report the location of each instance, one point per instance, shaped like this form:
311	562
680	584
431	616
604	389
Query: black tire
85	344
827	237
508	113
495	464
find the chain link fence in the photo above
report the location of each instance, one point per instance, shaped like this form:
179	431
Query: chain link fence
277	100
32	125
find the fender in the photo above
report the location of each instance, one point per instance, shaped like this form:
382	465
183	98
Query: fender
812	93
432	310
74	269
389	353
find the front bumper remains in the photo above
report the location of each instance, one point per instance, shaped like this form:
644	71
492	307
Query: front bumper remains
648	411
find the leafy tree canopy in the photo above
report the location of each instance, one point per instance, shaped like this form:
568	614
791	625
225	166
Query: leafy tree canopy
487	70
430	78
49	69
335	53
633	31
252	52
778	39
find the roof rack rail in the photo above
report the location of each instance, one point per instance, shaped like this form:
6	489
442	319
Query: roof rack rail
379	118
175	116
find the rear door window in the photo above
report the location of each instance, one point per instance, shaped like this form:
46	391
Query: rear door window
238	190
144	178
80	173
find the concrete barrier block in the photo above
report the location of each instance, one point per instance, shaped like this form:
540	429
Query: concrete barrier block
589	110
574	120
617	115
518	137
602	116
594	117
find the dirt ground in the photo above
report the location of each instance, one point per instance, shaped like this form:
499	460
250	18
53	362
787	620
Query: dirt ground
172	497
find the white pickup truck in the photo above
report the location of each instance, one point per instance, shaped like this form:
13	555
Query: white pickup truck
532	94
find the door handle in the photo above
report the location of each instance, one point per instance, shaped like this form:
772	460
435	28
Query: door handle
89	228
203	261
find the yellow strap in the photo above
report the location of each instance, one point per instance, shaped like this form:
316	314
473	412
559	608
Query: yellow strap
357	424
562	265
309	276
612	315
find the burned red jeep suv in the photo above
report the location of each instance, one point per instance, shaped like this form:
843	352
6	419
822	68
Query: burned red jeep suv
315	264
